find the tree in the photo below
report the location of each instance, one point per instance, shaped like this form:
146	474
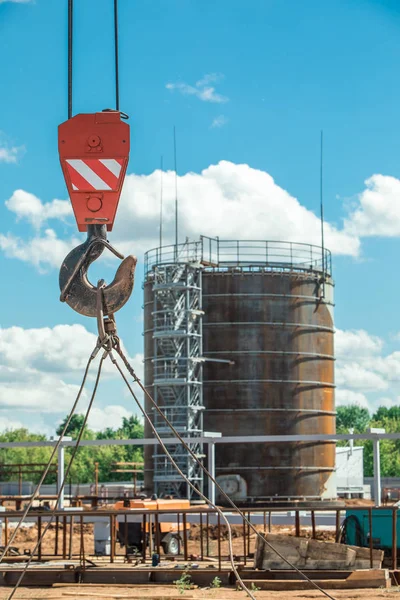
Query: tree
352	416
387	413
74	427
132	428
13	456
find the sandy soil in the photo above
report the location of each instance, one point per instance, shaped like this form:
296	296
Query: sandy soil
170	593
26	539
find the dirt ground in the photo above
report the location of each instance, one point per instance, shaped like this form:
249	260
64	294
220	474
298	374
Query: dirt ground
26	539
86	592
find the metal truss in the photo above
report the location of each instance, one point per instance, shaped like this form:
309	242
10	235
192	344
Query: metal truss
178	391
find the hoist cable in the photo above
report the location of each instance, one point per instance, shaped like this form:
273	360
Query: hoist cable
116	54
70	40
70	55
184	477
75	449
208	474
55	449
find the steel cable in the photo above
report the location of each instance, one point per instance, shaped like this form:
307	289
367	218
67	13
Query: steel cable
55	448
207	473
174	464
70	40
116	54
52	513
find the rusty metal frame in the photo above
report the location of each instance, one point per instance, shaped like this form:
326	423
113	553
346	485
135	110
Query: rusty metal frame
64	522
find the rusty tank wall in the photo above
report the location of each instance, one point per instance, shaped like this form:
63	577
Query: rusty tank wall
280	336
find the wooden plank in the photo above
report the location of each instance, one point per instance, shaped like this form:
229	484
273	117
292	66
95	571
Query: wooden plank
326	584
278	574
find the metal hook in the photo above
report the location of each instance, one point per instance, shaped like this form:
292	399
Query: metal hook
76	289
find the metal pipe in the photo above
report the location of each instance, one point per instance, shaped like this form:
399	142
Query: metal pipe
377	473
371	539
211	470
60	474
394	538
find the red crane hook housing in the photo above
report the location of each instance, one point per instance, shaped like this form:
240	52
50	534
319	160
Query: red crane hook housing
94	154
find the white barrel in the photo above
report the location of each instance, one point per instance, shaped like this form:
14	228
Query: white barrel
102	537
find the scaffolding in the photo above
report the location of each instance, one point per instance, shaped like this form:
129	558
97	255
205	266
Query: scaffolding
177	362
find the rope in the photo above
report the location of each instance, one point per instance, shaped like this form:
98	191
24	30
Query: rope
205	471
57	445
167	453
116	54
70	40
70	49
78	441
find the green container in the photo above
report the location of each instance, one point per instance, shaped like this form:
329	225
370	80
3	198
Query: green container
358	527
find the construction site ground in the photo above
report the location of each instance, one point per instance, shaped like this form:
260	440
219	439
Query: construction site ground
27	536
168	592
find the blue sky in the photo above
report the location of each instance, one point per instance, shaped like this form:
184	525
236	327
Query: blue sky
246	83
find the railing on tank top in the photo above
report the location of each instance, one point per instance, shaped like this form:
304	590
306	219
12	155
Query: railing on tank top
214	253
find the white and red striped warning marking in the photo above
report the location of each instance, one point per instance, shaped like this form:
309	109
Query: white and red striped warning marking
94	174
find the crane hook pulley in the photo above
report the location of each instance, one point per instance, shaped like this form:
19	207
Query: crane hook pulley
94	154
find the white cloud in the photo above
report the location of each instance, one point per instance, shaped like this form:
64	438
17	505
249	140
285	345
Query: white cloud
363	368
7	424
17	1
10	154
356	376
43	251
343	397
358	361
41	369
226	200
388	402
377	210
110	416
28	206
355	343
202	89
219	122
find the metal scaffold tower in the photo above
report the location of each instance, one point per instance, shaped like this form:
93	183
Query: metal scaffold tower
177	334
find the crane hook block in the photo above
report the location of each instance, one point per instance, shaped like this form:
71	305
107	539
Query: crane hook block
94	154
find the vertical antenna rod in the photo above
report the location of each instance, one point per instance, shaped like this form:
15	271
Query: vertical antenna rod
176	197
70	10
161	203
321	194
116	54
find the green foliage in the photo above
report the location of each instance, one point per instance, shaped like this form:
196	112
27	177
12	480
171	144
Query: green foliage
23	455
352	416
254	588
389	419
82	470
387	413
74	427
216	582
184	582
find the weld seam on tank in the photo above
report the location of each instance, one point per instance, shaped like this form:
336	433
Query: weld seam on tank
311	298
272	324
280	468
280	352
295	381
332	413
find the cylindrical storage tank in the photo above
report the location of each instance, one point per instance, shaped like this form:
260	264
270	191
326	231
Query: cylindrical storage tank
279	333
268	308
